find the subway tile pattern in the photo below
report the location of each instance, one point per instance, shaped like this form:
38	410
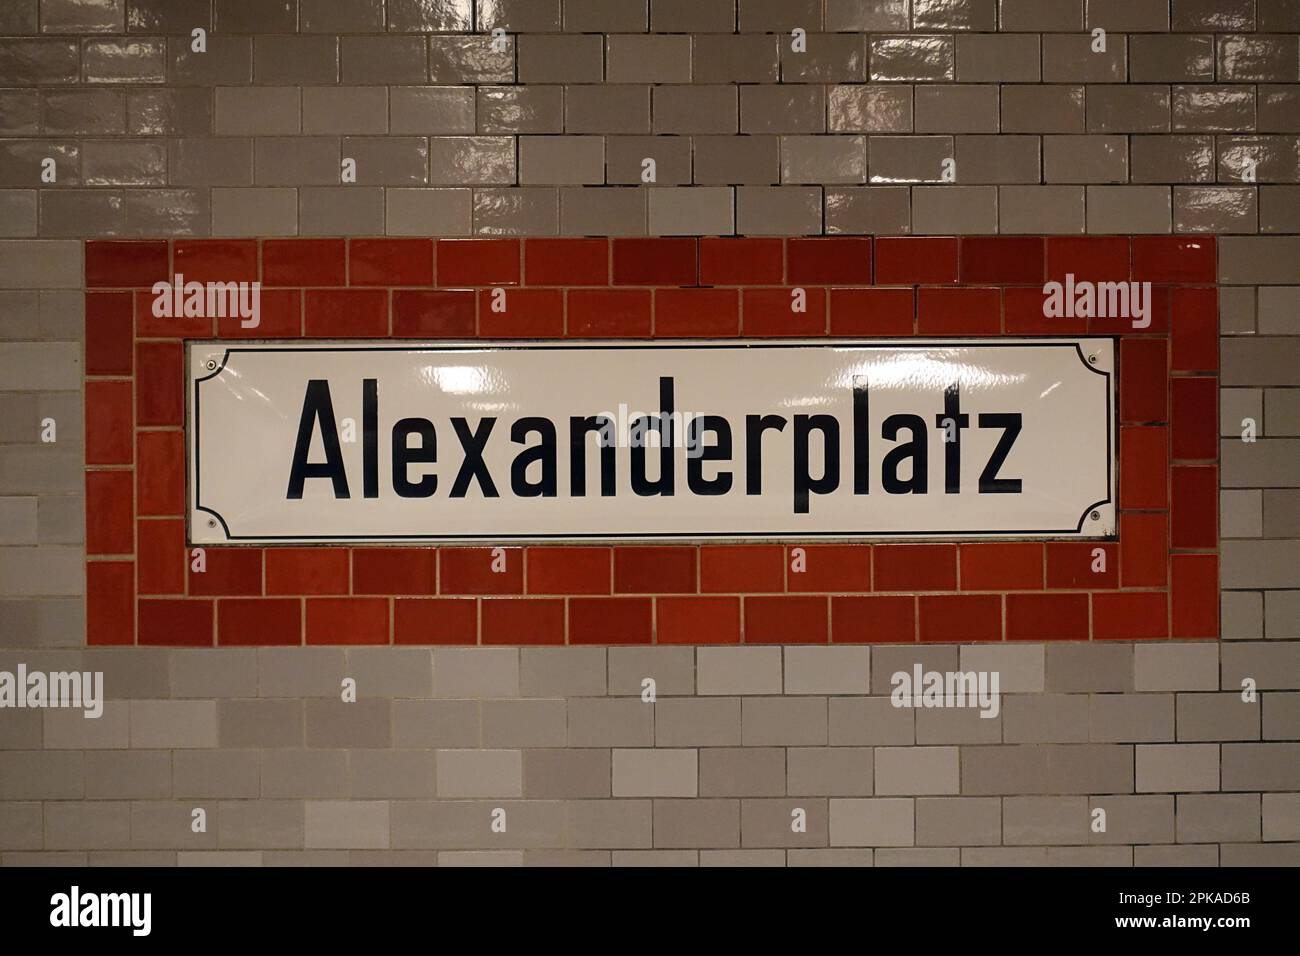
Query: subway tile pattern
760	755
1185	123
576	117
1158	579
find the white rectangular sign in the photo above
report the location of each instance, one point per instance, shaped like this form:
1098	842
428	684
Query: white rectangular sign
581	441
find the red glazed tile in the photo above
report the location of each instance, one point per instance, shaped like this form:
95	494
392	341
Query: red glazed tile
1023	308
161	556
1143	380
1130	615
523	620
1194	506
916	567
393	570
1143	467
216	260
873	619
163	317
110	433
1173	259
304	262
470	571
1195	595
1121	323
655	261
110	603
787	619
306	571
160	473
1047	617
160	383
1143	549
566	262
742	261
830	261
873	312
228	571
390	262
259	622
830	568
916	260
1195	321
110	521
442	314
773	312
697	620
1088	258
605	313
1070	564
959	618
346	313
279	317
175	622
964	311
705	313
117	264
1195	431
478	262
669	570
1001	567
1013	260
521	314
435	621
109	333
569	570
742	569
620	620
347	621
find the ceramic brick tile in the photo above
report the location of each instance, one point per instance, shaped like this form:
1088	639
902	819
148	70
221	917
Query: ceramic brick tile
1148	138
567	774
878	822
1177	767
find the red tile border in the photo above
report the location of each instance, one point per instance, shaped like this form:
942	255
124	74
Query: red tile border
1159	580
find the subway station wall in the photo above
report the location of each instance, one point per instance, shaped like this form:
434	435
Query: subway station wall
1176	147
1159	580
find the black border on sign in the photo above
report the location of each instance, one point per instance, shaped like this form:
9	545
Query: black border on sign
496	345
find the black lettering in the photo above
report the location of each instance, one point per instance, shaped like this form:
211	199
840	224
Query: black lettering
473	467
370	438
700	453
755	425
317	407
579	428
918	483
861	437
804	426
425	452
990	483
952	447
663	425
542	454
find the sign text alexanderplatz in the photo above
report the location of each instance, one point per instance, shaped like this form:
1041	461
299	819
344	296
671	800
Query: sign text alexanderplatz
583	441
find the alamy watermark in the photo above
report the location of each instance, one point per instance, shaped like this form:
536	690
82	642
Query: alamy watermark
75	908
193	300
927	689
1082	299
53	689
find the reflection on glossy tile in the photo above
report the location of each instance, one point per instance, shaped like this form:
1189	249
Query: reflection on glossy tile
429	16
912	58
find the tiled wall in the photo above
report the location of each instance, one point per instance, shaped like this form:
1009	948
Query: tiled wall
1188	122
1160	579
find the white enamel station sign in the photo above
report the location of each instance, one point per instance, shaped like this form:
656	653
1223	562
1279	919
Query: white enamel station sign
587	441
